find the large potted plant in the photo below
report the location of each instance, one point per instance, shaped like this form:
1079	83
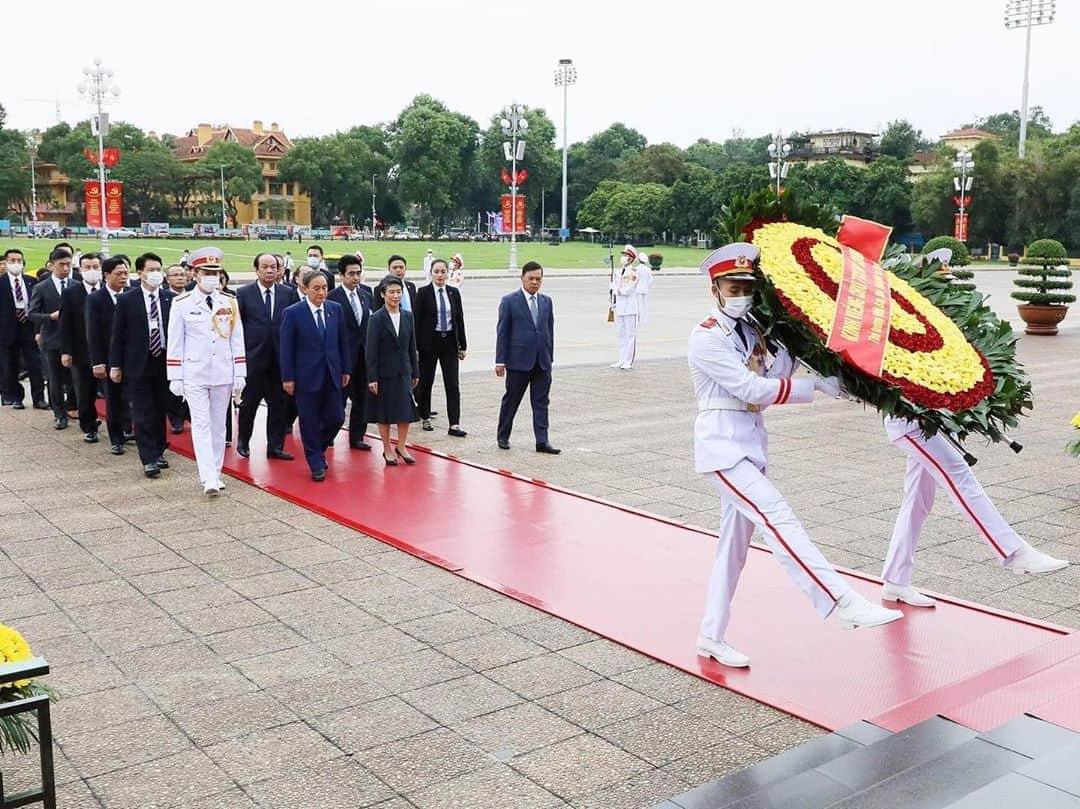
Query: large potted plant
1044	278
655	260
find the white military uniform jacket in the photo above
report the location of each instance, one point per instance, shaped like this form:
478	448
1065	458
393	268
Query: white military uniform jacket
206	344
626	301
897	428
733	383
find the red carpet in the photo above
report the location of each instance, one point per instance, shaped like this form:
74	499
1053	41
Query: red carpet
640	580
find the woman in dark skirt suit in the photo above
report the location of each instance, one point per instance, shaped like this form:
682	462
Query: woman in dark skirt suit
393	370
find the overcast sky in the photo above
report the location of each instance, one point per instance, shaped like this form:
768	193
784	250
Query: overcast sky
675	70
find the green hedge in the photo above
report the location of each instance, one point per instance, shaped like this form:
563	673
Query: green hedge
960	254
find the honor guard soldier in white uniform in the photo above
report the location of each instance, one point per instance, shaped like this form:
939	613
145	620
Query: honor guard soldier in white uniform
735	377
457	271
644	285
205	361
624	289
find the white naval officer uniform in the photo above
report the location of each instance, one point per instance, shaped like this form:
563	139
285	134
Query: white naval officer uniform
933	462
644	285
626	315
208	360
734	380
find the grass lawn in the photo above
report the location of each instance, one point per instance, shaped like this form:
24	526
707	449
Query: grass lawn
478	255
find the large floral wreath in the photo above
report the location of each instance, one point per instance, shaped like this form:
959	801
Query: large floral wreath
950	363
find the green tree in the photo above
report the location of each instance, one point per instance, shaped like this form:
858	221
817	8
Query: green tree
831	183
243	177
1006	125
148	174
931	203
707	153
337	171
598	159
434	149
901	139
886	193
660	163
14	172
694	201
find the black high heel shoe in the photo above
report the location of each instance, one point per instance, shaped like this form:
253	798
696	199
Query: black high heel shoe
409	459
389	461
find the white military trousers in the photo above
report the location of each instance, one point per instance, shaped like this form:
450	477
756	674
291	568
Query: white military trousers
643	309
752	501
209	405
627	338
931	463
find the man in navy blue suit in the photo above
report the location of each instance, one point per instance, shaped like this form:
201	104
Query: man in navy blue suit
357	301
524	347
262	308
314	370
17	336
137	359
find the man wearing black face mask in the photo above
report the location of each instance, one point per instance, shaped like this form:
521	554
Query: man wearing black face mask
75	351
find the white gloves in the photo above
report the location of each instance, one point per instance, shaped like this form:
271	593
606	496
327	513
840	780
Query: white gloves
176	388
829	385
238	386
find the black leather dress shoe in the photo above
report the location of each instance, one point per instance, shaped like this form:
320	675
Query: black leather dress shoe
90	438
18	406
243	450
319	476
547	449
457	432
434	413
151	470
129	438
116	449
361	445
42	405
61	423
279	455
176	429
161	463
504	445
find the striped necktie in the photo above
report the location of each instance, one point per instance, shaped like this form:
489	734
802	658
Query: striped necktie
155	332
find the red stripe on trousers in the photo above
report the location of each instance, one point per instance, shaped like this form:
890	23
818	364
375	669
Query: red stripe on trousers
776	534
956	493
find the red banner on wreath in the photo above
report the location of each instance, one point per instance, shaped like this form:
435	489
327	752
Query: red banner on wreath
513	224
114	204
860	330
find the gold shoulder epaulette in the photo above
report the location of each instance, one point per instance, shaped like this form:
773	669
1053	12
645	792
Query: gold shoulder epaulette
183	295
227	292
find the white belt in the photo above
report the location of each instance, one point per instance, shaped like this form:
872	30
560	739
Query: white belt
722	403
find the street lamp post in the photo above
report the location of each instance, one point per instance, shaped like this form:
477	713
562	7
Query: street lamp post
565	75
372	206
962	184
514	126
31	144
98	88
224	221
1025	14
779	149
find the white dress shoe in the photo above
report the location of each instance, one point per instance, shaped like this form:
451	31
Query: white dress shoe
615	365
1029	560
722	653
211	490
854	611
907	594
626	366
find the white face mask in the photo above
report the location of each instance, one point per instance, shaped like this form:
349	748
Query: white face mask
737	307
14	267
154	279
209	283
92	277
314	262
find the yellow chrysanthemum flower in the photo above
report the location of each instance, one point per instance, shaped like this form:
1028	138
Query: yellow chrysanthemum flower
13	648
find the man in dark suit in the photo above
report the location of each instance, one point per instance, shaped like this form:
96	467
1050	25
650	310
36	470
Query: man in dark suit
74	351
397	266
45	304
314	357
524	348
99	322
440	339
356	301
262	306
316	261
17	344
137	359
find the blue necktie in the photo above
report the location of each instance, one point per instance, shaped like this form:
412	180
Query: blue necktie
320	324
444	325
406	301
269	309
535	312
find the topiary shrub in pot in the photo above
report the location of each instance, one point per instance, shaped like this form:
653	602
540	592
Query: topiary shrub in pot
1044	278
961	257
655	260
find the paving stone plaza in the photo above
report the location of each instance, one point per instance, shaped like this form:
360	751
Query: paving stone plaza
244	652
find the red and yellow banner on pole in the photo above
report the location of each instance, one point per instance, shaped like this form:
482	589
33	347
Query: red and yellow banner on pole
960	226
513	220
860	330
114	204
